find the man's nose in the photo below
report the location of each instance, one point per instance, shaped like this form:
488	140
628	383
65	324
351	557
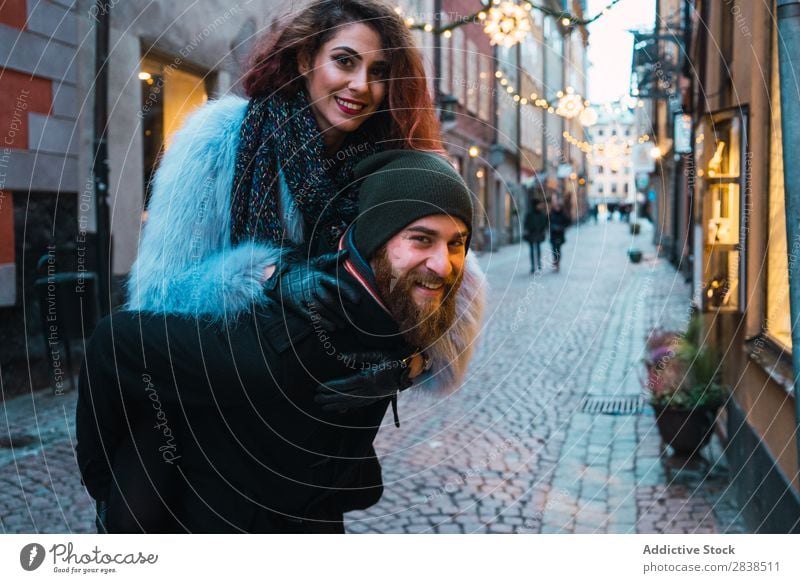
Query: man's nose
439	261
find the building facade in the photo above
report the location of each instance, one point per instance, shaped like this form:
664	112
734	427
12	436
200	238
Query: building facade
165	59
721	217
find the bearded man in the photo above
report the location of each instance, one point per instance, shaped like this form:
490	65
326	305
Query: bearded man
267	424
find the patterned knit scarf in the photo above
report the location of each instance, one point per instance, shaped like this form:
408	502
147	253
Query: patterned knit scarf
281	132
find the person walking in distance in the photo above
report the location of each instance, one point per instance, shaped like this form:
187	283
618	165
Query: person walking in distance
558	228
535	228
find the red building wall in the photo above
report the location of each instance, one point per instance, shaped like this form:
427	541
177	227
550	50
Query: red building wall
13	13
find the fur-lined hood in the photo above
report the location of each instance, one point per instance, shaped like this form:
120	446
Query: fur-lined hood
186	264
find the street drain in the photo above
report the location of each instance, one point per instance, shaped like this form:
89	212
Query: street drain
16	441
624	405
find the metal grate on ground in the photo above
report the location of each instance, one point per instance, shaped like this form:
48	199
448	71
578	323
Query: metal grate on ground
618	405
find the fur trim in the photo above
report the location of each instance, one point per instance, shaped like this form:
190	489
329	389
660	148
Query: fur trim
451	354
185	263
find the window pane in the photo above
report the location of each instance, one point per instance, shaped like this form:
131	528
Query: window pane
168	96
778	317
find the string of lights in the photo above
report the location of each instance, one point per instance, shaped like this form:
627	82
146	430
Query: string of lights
604	147
505	21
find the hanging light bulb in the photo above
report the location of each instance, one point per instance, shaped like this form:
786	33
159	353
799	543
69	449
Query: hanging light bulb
569	105
588	117
507	23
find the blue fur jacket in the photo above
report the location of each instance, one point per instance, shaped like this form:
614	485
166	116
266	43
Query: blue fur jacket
186	264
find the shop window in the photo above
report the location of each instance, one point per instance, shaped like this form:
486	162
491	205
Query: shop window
169	94
472	79
778	320
720	150
460	80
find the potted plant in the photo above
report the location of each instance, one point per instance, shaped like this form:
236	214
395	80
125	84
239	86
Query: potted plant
635	255
683	386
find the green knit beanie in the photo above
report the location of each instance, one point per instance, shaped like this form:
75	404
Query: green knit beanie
402	186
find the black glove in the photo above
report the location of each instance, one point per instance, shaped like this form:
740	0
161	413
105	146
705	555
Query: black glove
307	289
376	376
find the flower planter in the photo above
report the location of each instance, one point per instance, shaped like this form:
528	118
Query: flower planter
635	255
685	430
635	228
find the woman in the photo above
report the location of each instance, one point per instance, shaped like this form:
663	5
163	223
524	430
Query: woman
245	181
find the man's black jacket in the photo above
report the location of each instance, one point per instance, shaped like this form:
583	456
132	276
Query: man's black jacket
223	418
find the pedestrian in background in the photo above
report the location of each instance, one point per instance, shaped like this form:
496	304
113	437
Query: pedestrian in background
535	230
558	228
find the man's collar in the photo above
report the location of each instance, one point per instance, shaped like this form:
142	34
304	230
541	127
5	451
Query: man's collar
357	266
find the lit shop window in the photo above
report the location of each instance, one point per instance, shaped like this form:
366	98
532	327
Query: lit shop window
169	94
719	149
778	320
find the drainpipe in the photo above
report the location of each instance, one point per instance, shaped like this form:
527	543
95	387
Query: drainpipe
788	61
100	161
437	52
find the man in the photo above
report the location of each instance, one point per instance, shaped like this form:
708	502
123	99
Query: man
267	424
535	229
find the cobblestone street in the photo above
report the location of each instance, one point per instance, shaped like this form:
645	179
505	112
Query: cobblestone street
518	449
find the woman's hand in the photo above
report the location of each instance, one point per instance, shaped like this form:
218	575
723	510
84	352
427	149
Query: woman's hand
309	290
267	273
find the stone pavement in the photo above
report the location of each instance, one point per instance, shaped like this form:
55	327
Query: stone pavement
514	449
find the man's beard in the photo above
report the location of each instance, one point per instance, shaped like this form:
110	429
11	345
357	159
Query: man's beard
421	326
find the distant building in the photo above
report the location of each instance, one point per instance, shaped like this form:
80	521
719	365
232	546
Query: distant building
611	179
